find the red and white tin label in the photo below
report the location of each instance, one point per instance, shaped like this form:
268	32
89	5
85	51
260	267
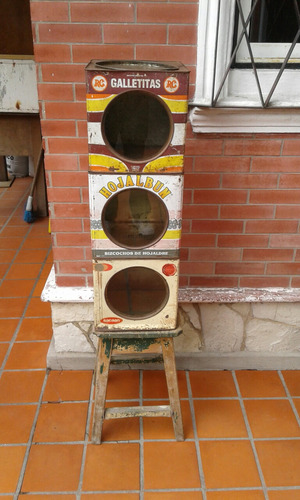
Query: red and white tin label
111	321
99	83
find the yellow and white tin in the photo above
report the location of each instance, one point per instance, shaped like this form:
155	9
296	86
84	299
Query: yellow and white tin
139	295
135	216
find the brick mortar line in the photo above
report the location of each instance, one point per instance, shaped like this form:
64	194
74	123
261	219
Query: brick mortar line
137	441
289	397
250	438
196	440
86	440
30	441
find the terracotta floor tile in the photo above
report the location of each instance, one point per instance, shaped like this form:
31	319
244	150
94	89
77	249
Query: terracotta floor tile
3	270
6	256
7	329
11	243
182	495
170	465
46	269
162	427
21	387
30	257
260	384
3	351
114	473
16	422
229	464
155	385
219	419
38	308
11	459
211	384
272	418
235	495
68	386
35	329
19	212
12	308
280	462
297	405
47	466
40	223
5	210
27	356
37	242
37	292
120	429
10	231
123	384
16	288
23	271
61	422
292	380
16	220
51	497
50	257
8	201
110	496
284	495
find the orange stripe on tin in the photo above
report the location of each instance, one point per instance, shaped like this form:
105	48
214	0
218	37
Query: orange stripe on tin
98	96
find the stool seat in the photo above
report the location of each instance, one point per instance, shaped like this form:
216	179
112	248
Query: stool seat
110	344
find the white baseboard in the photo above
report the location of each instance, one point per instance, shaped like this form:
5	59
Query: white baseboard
185	361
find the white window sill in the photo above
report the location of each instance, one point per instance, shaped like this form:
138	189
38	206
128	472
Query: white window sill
245	120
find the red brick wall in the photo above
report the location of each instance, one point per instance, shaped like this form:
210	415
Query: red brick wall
241	200
241	211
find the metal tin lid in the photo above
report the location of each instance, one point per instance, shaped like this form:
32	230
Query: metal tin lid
128	65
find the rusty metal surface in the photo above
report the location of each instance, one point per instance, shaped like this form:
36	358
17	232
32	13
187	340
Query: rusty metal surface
135	87
129	65
18	86
128	299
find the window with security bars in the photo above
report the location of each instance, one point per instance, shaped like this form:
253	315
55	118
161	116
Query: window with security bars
248	54
272	29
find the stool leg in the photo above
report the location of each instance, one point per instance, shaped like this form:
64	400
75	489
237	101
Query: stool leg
171	376
101	377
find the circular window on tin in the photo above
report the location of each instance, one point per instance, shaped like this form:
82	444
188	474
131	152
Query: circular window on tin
135	218
136	293
137	126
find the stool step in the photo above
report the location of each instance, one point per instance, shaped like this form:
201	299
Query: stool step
137	411
124	360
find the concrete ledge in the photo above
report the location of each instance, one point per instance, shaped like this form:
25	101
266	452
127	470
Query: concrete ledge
238	361
54	293
184	361
69	360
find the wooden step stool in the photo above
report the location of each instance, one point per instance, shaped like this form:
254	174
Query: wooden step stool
113	343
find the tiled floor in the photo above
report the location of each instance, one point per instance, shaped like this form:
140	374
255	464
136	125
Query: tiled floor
241	428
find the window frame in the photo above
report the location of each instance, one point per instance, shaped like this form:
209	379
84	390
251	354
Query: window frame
239	93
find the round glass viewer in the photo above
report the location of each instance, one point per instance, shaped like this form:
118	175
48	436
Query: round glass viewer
135	218
136	292
137	126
